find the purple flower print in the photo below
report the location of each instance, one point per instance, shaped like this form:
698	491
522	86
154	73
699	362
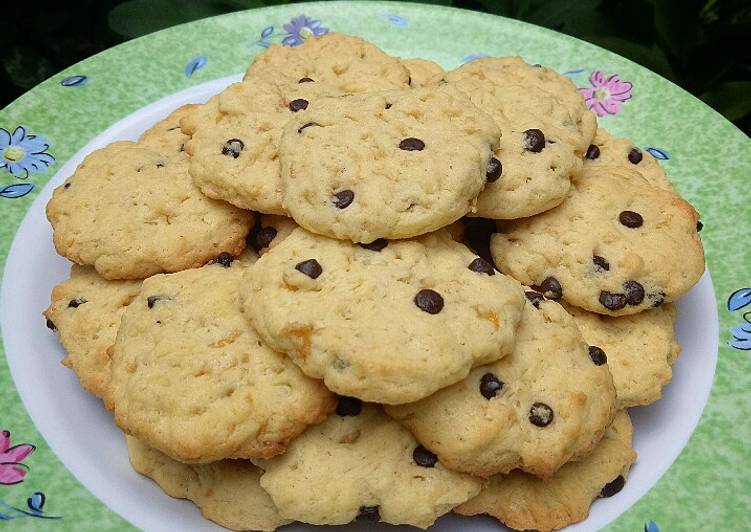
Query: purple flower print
300	28
606	94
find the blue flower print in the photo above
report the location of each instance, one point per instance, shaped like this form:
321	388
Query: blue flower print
23	154
300	28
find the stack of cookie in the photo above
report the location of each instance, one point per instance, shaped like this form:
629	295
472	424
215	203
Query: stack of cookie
355	287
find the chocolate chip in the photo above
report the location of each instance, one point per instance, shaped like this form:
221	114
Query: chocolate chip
343	199
67	185
612	301
309	267
535	298
423	457
233	147
613	487
348	406
480	265
634	292
298	105
635	156
631	219
224	258
182	147
409	81
493	170
369	514
160	165
597	355
699	225
305	80
429	300
77	302
263	238
593	152
411	144
376	245
551	288
540	415
534	140
388	105
490	385
600	263
153	300
51	325
309	124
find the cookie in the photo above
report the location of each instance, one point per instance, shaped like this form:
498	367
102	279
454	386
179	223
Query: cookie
388	322
234	140
269	231
228	492
85	312
166	137
545	404
348	63
514	71
423	73
191	378
608	151
640	350
385	165
524	502
616	246
361	465
132	212
545	127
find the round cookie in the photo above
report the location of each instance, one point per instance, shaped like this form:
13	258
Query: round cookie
390	322
640	349
545	404
611	152
166	137
234	143
616	246
513	70
524	502
191	378
348	63
361	465
85	311
269	231
545	127
131	212
228	492
385	165
423	73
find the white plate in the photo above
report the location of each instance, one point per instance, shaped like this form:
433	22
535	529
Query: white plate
82	434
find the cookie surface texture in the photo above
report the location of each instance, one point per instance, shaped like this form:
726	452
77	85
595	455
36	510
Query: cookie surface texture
348	63
228	492
364	466
390	322
385	165
132	212
545	127
536	409
524	502
423	73
191	378
234	140
640	349
616	246
85	310
608	151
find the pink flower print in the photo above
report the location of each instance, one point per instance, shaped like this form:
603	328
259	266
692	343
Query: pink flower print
606	94
12	471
